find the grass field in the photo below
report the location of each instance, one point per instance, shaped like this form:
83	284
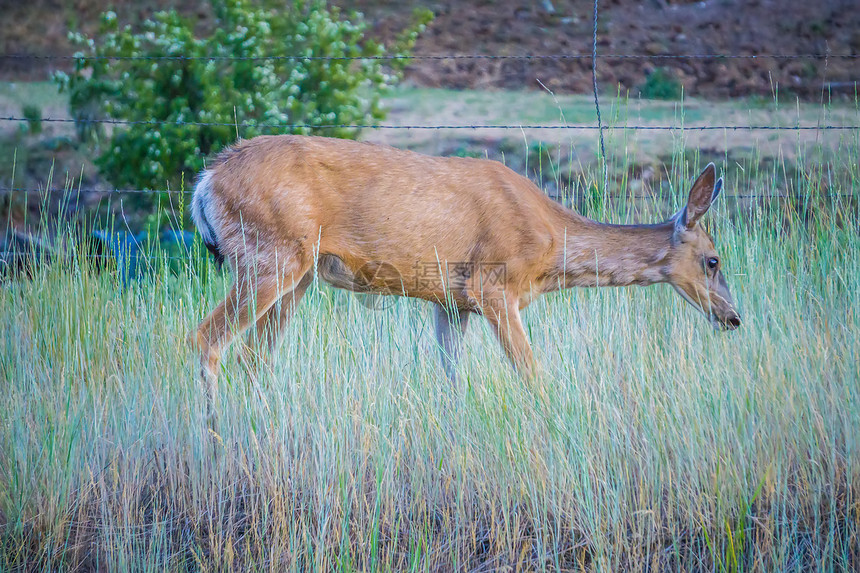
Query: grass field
648	441
744	152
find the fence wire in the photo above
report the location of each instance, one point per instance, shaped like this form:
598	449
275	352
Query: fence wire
240	125
72	191
83	57
596	100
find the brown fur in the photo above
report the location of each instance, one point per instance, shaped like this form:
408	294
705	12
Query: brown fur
279	202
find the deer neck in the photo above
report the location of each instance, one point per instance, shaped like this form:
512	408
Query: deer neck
592	254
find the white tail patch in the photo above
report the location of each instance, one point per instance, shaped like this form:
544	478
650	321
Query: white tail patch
201	212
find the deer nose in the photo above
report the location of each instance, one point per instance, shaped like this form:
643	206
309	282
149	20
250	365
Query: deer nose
733	322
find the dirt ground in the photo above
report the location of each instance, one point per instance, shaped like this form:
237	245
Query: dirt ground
520	27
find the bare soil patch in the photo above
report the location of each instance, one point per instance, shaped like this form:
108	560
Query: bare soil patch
517	27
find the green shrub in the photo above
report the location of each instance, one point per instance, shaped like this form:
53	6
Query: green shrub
211	88
33	115
661	84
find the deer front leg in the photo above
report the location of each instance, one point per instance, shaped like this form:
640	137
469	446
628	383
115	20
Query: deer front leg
508	327
450	341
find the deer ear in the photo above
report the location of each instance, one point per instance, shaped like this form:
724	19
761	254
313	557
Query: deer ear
702	194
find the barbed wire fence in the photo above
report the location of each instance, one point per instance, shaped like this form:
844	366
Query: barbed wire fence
598	126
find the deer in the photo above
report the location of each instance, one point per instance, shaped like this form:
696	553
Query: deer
469	235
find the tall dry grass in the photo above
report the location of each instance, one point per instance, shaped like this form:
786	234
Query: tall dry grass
648	442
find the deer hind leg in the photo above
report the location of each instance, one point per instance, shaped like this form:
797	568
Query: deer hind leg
265	336
450	341
508	326
249	298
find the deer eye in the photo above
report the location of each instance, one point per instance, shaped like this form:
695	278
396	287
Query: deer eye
713	263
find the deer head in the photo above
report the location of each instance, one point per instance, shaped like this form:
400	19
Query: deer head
695	268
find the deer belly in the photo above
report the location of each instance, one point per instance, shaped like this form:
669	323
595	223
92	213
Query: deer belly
367	277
